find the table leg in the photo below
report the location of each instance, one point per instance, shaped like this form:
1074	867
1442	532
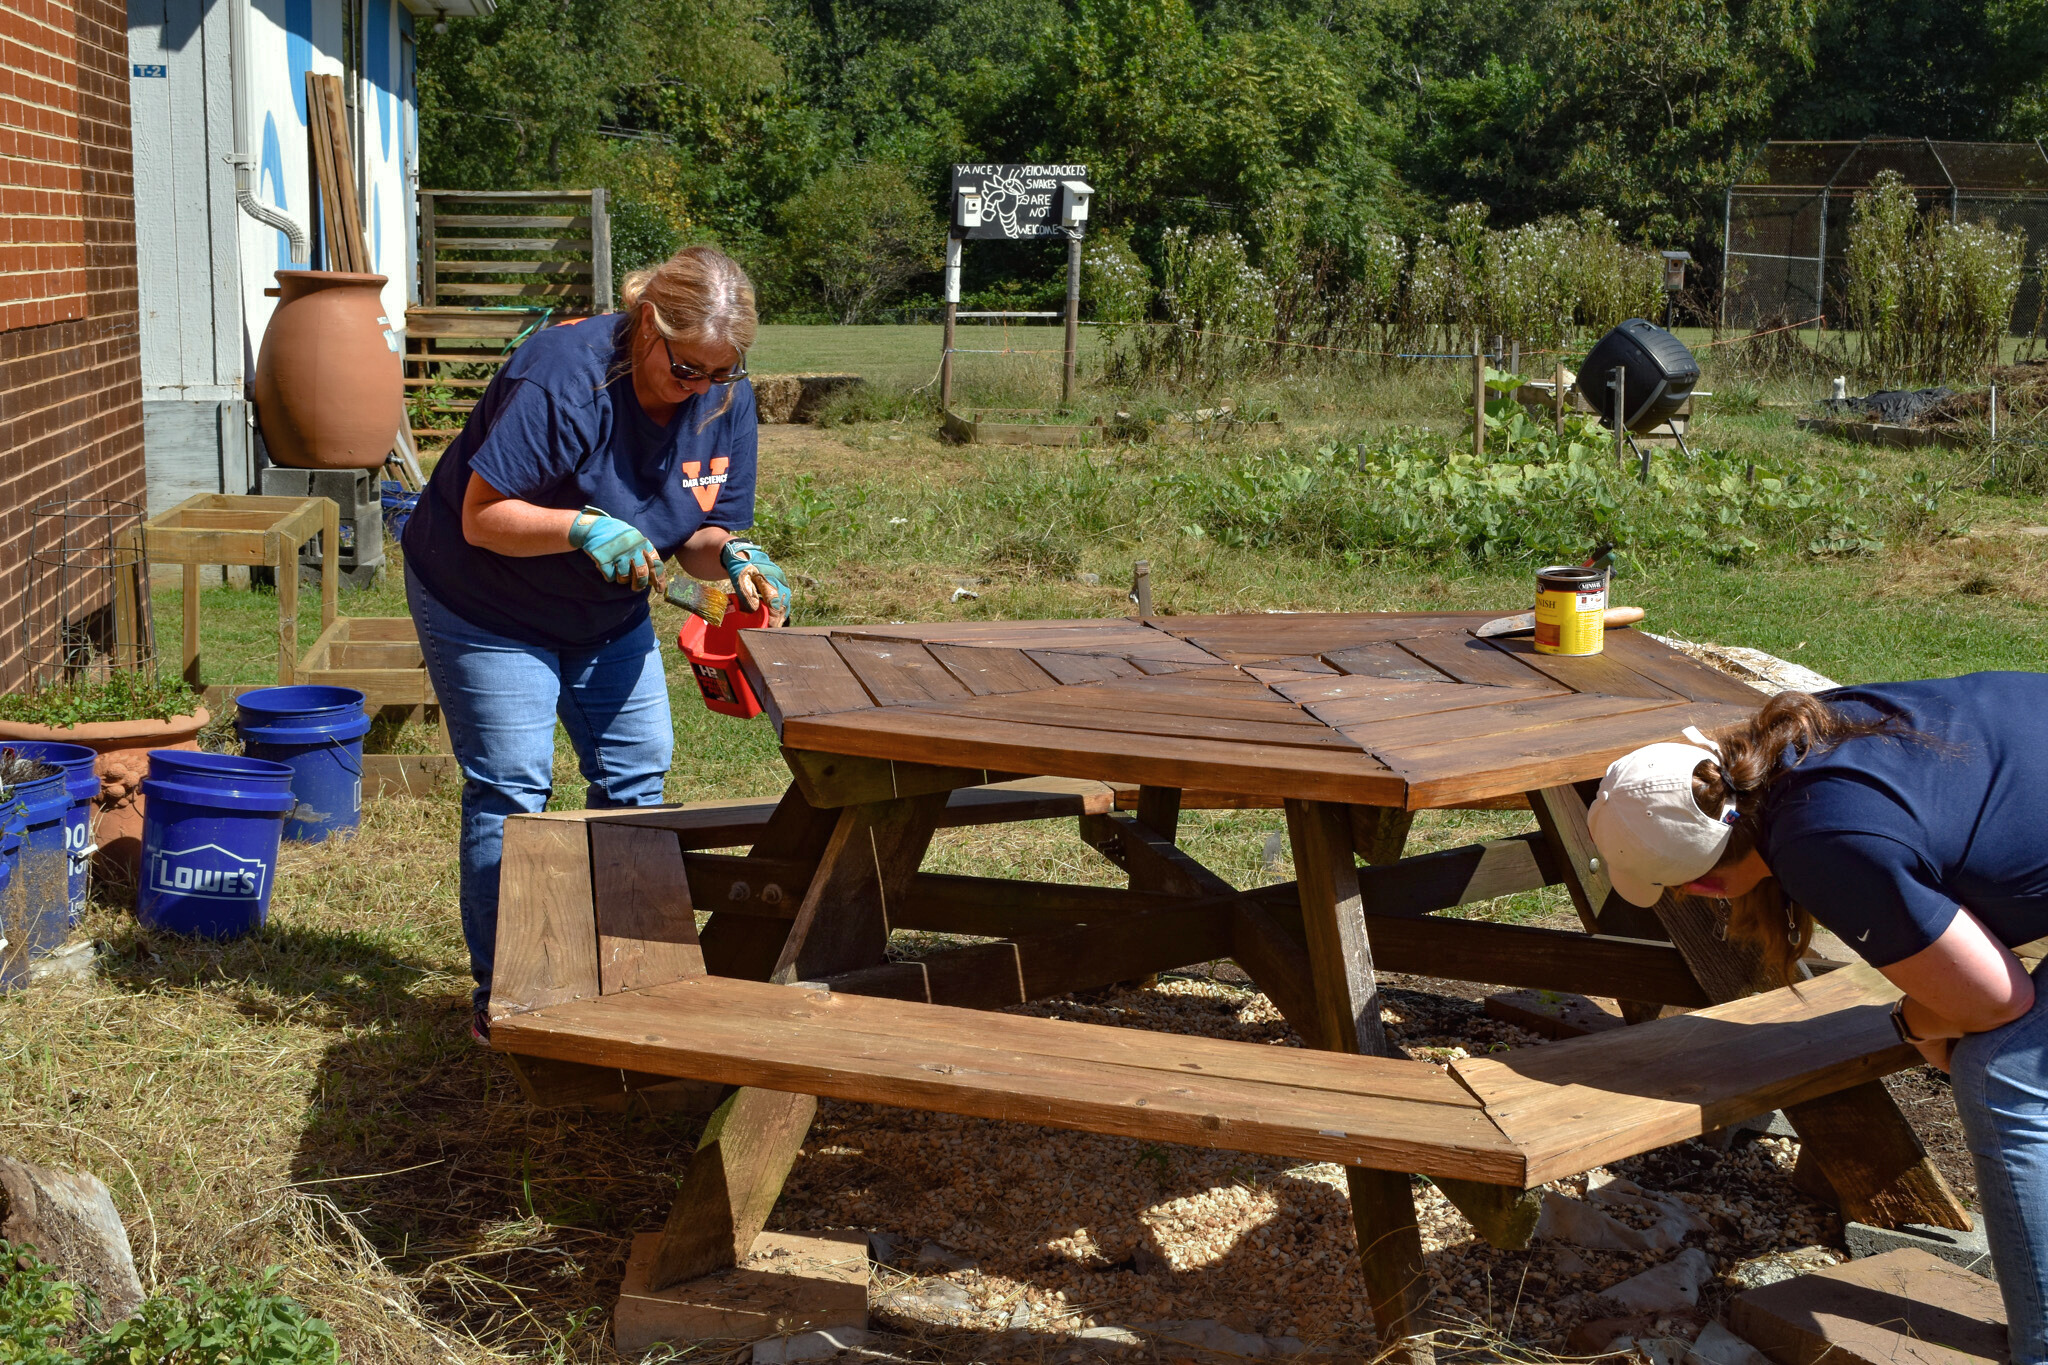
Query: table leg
1855	1143
1347	1005
191	605
285	559
737	1173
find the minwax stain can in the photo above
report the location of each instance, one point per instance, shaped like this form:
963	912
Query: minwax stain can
1571	606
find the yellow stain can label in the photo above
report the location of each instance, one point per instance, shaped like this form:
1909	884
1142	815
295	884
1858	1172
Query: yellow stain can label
1571	608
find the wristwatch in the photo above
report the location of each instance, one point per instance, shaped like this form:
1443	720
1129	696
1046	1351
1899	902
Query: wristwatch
1899	1025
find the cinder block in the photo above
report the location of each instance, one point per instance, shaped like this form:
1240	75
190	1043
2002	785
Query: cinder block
1969	1249
1901	1308
791	1283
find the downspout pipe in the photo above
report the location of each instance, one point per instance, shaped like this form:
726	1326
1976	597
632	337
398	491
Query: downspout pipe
243	159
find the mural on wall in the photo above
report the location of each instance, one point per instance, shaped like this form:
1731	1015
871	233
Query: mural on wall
291	38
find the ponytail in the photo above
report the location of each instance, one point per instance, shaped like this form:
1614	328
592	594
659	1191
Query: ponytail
1754	754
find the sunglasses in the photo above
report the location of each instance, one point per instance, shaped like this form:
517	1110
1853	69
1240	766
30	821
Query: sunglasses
690	374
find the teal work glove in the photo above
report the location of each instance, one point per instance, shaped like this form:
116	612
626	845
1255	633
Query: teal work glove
620	552
755	577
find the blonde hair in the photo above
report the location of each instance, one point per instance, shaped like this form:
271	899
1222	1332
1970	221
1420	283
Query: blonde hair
700	296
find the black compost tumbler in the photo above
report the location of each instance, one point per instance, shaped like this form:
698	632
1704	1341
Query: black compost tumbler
1660	375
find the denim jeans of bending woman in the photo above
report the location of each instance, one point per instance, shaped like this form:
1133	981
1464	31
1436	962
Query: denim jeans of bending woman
2001	1088
500	699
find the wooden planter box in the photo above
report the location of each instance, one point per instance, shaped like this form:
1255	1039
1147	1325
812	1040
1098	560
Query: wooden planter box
380	657
1883	433
980	432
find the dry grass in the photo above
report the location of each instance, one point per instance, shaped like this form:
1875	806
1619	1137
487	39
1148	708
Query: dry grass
1998	563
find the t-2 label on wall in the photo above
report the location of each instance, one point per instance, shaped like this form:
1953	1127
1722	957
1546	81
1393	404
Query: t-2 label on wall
1016	201
156	70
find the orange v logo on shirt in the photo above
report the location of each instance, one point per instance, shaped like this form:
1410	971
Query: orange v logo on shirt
705	488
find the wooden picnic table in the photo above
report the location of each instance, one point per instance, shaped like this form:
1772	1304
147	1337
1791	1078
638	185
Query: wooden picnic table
1352	722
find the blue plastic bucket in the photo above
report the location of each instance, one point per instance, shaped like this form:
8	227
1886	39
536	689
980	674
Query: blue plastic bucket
13	956
210	829
38	910
318	733
82	782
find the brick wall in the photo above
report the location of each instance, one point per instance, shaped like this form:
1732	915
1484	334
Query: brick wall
70	374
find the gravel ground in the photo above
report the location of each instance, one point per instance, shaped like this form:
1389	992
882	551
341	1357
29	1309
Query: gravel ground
1004	1242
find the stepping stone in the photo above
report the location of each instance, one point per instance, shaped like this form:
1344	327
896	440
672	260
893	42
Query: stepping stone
1901	1308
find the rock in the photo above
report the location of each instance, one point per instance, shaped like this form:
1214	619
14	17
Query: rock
1020	1316
809	1345
1719	1346
1285	1346
1207	1334
1147	1261
1088	580
1969	1250
1593	1336
1780	1265
1114	1336
72	962
935	1257
1569	1262
1676	1217
933	1299
73	1224
1664	1350
966	595
1564	1219
1667	1288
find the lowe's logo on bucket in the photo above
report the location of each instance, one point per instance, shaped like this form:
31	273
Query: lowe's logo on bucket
208	870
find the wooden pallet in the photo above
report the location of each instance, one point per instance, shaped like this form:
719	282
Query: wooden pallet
533	248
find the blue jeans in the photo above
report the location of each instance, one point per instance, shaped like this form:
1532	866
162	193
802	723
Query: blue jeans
2001	1087
499	700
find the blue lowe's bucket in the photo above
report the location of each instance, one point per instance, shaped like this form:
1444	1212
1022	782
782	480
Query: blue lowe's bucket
82	782
13	956
210	829
38	914
318	733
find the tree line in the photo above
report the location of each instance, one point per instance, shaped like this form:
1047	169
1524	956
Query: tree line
813	138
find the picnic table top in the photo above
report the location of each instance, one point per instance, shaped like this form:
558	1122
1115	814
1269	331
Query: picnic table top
1373	708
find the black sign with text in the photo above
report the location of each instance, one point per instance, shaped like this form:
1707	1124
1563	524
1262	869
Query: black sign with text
1016	201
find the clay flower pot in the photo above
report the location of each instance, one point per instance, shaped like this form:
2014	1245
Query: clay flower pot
330	391
123	747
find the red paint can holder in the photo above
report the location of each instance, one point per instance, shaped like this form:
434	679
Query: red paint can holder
714	655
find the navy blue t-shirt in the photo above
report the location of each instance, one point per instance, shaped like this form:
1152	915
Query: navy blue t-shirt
1882	837
561	427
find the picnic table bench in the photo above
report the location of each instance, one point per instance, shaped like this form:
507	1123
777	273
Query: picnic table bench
1352	722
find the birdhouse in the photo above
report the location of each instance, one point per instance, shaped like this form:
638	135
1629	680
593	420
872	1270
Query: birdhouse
1675	263
967	209
1074	197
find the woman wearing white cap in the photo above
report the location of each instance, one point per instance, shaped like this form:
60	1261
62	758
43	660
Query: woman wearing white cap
1912	820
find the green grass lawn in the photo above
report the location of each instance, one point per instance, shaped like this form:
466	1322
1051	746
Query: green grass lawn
308	1097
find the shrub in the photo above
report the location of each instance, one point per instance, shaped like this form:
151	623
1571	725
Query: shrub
861	233
1930	298
243	1322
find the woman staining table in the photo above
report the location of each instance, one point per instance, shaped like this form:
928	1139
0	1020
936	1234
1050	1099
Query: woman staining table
1909	818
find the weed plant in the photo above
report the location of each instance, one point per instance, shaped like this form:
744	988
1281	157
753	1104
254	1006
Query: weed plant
1930	298
1305	307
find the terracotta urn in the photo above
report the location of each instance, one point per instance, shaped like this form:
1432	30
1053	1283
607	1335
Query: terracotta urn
123	747
330	390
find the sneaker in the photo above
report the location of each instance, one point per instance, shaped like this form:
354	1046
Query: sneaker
480	1026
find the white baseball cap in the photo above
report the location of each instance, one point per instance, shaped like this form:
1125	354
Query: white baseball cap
1650	832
